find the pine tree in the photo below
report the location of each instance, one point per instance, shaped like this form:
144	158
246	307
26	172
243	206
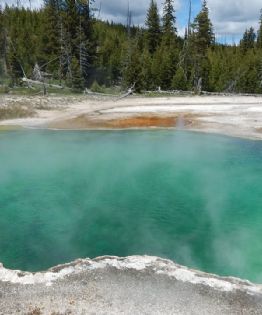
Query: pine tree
14	67
179	81
259	33
248	40
15	46
77	41
68	40
133	71
2	43
146	72
50	47
85	39
169	20
156	69
164	66
203	30
202	38
77	80
71	22
153	33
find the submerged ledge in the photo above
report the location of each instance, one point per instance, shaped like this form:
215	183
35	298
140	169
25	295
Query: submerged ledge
85	284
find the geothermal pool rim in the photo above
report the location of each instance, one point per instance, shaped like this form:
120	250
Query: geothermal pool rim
137	263
126	285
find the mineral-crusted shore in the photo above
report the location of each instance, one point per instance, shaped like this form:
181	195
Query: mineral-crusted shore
131	285
239	116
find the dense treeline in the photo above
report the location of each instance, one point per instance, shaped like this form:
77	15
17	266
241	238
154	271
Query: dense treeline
63	42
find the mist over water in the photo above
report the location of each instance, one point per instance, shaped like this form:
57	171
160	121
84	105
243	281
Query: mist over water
193	198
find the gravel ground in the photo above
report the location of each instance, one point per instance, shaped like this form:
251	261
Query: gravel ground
131	285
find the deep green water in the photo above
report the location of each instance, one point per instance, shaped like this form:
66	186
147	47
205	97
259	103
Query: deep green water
194	198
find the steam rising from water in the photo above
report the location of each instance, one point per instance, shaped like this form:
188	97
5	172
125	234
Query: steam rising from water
189	197
180	122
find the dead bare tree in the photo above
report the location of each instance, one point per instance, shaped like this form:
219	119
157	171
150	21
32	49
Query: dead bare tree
83	52
232	83
39	78
189	18
198	86
130	91
37	75
128	24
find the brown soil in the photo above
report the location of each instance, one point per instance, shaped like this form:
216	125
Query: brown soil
145	121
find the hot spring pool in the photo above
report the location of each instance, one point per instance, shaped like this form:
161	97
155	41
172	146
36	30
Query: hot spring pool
193	198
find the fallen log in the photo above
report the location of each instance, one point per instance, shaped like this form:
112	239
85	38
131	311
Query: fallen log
89	92
204	93
171	92
42	83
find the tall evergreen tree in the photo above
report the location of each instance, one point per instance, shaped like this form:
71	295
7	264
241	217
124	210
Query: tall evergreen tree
146	73
203	30
153	33
2	43
50	48
248	40
179	81
203	38
77	81
71	23
169	20
85	39
259	33
77	42
133	71
15	44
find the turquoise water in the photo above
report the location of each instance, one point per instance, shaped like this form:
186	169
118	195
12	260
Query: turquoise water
193	198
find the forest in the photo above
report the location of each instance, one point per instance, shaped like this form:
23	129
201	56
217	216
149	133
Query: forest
63	43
